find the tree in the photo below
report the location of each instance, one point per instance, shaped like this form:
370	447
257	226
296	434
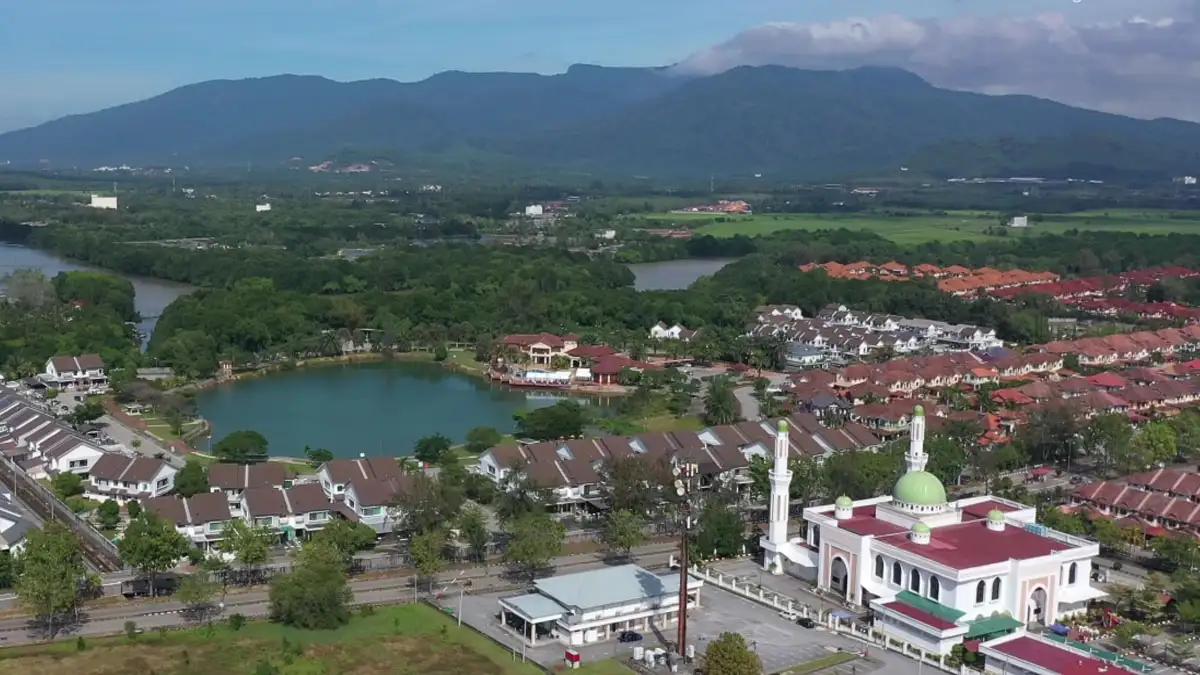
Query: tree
432	449
197	592
133	508
317	456
428	552
1106	439
249	545
428	504
192	479
315	594
623	532
242	447
635	483
534	540
473	528
152	546
480	439
565	419
67	485
731	655
28	288
1156	443
347	539
719	531
720	403
51	566
109	514
519	495
88	412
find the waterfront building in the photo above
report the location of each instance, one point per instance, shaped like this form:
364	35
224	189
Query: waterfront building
934	572
124	478
597	605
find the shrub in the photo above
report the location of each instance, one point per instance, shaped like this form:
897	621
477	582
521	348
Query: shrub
80	644
131	630
236	622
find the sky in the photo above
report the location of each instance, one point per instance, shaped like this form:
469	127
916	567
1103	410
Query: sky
72	56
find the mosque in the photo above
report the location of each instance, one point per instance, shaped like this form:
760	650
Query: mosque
935	573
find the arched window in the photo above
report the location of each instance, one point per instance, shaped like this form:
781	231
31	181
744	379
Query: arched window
897	574
1071	572
996	589
879	566
980	591
914	582
935	588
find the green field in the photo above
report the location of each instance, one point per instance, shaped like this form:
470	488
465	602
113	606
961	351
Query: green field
955	226
406	639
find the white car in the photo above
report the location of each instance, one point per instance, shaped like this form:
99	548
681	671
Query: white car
789	616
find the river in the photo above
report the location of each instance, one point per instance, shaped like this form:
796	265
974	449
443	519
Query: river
674	275
379	409
153	295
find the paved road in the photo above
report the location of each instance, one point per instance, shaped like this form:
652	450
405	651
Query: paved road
747	403
165	612
149	446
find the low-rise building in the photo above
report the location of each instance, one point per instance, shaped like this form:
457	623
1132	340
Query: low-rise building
337	474
75	372
661	331
233	480
295	513
597	605
15	523
124	478
201	518
1024	654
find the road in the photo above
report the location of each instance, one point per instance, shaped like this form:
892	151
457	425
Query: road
747	403
148	446
169	613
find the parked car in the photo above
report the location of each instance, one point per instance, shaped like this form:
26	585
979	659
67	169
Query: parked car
787	615
806	622
629	636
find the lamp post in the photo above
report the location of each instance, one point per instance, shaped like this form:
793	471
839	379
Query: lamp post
685	476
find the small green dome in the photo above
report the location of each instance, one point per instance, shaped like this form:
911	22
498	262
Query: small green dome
783	426
919	411
844	502
921	528
919	488
996	516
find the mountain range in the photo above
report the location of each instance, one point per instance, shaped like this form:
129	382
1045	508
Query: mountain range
770	120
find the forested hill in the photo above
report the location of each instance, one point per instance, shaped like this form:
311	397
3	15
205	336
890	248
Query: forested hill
767	120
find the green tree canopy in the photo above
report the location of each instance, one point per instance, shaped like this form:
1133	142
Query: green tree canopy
242	447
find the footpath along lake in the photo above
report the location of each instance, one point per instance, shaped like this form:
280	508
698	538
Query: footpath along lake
380	409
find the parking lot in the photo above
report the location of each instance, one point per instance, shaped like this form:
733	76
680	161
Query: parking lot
779	643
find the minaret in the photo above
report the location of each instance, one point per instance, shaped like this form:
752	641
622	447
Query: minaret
916	458
781	481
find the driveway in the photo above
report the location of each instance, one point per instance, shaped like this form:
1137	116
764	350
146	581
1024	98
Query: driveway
148	445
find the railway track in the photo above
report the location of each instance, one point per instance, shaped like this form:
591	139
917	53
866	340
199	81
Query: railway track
142	609
102	557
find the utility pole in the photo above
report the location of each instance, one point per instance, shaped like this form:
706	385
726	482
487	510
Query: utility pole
685	474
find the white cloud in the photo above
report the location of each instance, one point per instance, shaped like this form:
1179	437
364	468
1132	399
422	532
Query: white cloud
1145	66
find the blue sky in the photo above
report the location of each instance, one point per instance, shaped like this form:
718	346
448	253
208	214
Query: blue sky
67	56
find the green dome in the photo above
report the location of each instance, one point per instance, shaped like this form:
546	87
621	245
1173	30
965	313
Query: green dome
844	502
783	426
996	516
919	411
921	528
919	488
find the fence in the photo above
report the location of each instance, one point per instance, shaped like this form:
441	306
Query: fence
97	549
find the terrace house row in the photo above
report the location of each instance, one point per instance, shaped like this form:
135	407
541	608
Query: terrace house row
573	469
1129	347
41	444
927	331
1156	502
75	372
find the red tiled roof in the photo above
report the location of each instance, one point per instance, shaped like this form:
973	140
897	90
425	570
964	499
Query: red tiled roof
919	616
1056	659
971	544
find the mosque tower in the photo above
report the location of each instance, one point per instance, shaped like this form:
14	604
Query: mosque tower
781	481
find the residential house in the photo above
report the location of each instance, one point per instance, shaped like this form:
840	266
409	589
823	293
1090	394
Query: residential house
15	523
801	356
335	475
201	518
122	478
790	312
234	479
542	348
294	513
40	439
661	331
373	502
71	372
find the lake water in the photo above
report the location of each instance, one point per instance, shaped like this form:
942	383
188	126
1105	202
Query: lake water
674	275
375	408
153	295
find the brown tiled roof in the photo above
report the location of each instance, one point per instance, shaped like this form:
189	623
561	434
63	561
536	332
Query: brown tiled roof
244	476
307	497
379	492
265	501
122	468
344	471
205	507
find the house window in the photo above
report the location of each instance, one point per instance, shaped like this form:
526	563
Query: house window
980	592
996	589
897	574
162	483
78	463
373	511
264	522
215	527
914	582
1071	572
879	566
935	588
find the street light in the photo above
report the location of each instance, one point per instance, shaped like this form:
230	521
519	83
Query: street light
685	476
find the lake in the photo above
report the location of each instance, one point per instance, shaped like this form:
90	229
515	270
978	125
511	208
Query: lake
674	275
373	408
153	295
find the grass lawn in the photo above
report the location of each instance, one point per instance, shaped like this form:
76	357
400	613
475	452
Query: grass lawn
158	426
465	360
954	226
820	664
669	423
413	639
